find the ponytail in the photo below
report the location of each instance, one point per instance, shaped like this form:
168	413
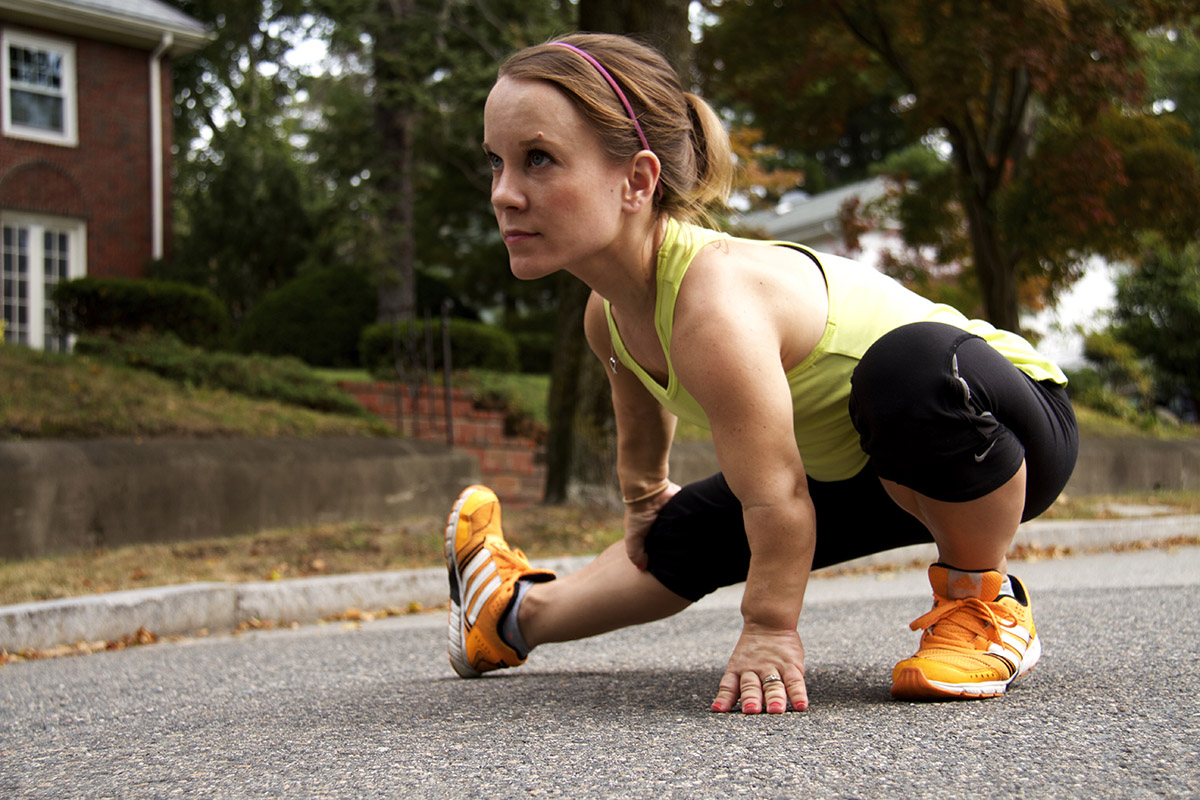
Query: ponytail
713	159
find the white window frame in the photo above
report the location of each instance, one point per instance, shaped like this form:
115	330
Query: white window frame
69	135
38	333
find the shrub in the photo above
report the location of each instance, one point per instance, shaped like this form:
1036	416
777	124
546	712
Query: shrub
1120	368
472	344
286	380
1087	387
317	318
107	305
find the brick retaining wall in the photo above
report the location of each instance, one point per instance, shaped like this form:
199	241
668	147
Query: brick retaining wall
512	466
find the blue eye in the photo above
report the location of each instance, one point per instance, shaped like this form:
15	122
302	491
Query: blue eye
538	158
494	161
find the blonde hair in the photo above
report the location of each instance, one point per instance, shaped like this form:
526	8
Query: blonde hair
679	127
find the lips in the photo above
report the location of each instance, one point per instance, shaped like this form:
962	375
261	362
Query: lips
516	236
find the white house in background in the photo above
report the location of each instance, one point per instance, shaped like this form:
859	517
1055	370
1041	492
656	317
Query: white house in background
85	147
813	221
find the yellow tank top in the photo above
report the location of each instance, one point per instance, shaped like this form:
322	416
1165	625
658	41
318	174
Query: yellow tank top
864	304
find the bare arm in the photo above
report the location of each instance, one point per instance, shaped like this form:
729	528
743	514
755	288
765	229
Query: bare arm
644	433
727	351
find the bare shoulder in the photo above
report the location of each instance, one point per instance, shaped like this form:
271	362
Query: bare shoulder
595	324
738	290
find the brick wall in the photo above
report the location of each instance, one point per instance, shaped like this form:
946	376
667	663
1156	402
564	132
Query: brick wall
512	466
105	179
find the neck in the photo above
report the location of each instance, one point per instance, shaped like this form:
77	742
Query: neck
625	273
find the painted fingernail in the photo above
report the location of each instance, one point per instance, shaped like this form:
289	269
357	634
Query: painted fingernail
775	708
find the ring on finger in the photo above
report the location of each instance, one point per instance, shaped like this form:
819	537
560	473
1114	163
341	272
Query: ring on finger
772	678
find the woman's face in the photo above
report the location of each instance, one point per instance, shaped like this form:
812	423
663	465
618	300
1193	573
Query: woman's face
556	194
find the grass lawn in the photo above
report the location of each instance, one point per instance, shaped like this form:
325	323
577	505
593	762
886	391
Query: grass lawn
57	396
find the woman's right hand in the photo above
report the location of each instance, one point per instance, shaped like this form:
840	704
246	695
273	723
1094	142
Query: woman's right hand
638	519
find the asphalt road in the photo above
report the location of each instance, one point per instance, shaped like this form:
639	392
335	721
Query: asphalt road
1113	709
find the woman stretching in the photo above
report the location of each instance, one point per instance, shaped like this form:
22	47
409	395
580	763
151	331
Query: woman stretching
849	415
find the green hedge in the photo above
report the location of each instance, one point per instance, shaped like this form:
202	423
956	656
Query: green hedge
317	318
105	305
285	380
472	344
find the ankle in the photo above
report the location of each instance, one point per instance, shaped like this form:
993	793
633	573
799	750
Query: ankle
528	611
968	564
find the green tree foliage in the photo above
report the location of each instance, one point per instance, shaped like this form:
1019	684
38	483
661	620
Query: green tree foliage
212	85
812	90
371	161
1158	314
399	143
1173	76
244	202
983	79
247	225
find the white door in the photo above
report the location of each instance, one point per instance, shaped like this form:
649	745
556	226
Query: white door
37	253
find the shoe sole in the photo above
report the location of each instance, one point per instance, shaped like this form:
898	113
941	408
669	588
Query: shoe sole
911	683
456	644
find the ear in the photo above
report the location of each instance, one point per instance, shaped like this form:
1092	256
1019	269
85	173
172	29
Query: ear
641	181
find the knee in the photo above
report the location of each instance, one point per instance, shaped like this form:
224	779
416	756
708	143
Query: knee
903	383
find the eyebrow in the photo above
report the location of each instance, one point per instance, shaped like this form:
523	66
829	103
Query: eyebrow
540	140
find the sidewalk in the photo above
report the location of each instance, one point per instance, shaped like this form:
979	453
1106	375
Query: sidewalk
216	607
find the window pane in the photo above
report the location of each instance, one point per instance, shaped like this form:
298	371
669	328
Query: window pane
55	254
36	67
37	110
17	57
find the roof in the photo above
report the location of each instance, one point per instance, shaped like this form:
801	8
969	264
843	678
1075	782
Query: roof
137	23
810	218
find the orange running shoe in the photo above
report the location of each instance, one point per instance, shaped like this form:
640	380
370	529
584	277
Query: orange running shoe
483	575
975	643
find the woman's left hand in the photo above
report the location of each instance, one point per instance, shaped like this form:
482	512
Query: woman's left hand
639	517
761	654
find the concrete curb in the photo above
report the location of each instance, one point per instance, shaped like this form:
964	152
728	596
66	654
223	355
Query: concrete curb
182	610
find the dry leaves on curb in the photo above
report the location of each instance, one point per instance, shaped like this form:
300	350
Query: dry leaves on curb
140	637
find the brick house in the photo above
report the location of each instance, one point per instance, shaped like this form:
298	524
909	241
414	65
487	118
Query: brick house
85	146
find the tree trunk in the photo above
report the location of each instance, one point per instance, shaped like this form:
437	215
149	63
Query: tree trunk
570	360
997	274
581	445
394	120
661	23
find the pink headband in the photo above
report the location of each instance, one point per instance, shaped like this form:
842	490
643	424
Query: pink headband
613	83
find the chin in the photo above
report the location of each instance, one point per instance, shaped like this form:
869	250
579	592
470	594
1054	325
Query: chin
528	270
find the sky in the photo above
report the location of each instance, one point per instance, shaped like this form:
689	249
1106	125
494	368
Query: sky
1083	309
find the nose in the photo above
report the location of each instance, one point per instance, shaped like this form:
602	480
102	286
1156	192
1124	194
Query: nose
505	191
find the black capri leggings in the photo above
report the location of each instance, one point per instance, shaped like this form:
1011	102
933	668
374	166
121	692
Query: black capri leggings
937	410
